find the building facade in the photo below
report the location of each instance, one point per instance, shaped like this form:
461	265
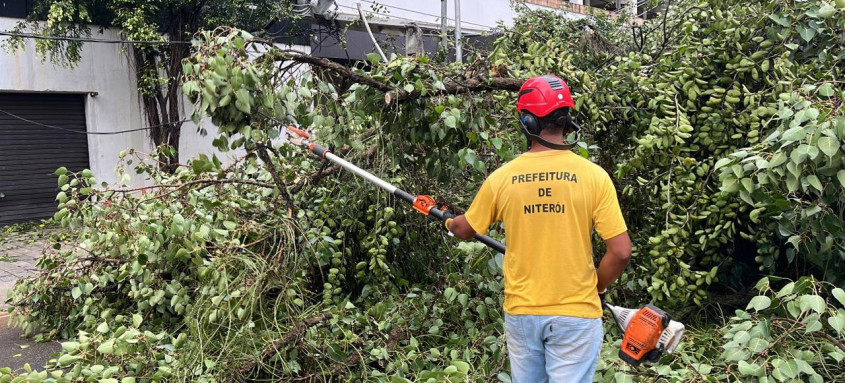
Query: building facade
83	116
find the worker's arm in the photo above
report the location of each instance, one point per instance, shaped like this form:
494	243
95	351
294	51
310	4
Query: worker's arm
615	260
460	227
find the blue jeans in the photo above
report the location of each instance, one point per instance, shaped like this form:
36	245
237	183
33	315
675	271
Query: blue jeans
555	349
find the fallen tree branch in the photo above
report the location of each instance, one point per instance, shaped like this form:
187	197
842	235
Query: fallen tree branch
291	55
273	347
822	334
263	153
194	182
471	84
393	94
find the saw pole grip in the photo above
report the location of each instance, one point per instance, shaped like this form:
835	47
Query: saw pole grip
490	242
318	150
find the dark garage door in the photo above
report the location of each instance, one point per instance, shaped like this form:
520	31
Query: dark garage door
30	153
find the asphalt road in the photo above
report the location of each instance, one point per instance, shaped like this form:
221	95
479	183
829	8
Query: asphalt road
18	254
16	351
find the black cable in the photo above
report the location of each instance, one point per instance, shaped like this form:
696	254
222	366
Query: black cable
89	40
88	133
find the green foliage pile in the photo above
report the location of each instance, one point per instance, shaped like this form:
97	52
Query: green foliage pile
722	126
724	81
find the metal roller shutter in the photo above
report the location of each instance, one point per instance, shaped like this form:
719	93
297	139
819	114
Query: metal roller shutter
30	153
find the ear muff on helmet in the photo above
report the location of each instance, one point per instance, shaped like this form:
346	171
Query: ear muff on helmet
530	123
531	128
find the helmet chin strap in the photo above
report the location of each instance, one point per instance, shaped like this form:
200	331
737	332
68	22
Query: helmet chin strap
549	144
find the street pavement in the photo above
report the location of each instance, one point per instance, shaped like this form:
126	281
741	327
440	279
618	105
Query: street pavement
18	254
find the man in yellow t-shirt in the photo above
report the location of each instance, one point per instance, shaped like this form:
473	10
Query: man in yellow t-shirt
550	199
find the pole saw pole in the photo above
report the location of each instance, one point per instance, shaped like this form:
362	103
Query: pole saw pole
422	203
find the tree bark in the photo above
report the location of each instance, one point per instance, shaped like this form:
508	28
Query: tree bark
391	94
162	102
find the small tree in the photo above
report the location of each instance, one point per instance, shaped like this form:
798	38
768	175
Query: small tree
167	25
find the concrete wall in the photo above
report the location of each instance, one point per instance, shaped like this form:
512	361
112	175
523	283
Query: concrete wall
103	70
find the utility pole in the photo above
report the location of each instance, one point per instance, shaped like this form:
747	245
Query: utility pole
444	40
458	52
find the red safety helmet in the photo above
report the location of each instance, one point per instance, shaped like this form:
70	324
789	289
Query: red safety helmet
542	95
538	97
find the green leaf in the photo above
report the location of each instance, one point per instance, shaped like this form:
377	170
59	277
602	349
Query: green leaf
373	58
759	303
137	319
794	134
814	181
103	328
750	369
757	344
60	171
837	321
63	180
722	162
497	142
826	11
76	292
811	302
839	294
748	184
783	21
243	107
789	369
450	121
229	225
106	347
826	90
841	176
806	33
829	145
778	159
67	359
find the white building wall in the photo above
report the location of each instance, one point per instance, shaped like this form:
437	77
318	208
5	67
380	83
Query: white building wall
103	70
475	14
112	104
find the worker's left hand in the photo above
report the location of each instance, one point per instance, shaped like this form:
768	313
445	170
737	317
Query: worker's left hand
447	218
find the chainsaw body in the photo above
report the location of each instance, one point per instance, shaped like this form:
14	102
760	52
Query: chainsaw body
649	332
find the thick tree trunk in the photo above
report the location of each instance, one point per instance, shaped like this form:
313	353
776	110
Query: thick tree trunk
162	101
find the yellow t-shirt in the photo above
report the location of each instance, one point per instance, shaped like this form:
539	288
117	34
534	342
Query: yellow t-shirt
549	202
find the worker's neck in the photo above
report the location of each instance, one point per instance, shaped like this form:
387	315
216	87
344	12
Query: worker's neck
553	137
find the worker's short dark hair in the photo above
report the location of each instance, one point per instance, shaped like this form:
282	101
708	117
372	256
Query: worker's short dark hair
557	120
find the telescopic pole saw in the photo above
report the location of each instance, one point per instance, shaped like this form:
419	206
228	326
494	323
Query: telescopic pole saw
422	203
648	332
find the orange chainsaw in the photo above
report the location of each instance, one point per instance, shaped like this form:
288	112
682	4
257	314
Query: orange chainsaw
648	333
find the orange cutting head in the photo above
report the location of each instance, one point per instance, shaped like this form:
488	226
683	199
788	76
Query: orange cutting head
299	132
424	204
642	334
